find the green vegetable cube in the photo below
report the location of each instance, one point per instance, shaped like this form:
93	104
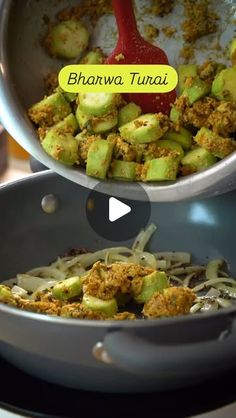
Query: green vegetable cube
224	85
175	115
123	170
160	169
232	51
61	147
154	282
107	307
218	146
50	110
97	104
128	113
197	90
142	130
68	288
183	137
198	159
171	146
95	56
67	39
99	158
185	71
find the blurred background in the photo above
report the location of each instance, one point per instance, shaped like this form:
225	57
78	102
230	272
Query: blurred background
14	160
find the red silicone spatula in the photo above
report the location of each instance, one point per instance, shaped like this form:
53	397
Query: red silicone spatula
137	51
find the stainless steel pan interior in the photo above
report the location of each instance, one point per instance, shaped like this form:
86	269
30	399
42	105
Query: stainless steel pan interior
23	65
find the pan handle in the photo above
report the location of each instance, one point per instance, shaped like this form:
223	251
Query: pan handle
139	356
36	166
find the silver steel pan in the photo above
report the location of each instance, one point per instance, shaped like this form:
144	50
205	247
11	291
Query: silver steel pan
23	65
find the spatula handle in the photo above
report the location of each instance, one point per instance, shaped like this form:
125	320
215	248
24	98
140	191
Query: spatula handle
126	21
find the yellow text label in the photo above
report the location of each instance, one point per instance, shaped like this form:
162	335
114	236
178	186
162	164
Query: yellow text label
118	78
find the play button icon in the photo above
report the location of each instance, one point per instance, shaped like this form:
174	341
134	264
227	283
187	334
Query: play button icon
117	209
117	219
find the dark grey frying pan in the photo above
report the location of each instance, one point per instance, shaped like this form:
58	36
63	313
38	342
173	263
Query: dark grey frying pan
112	356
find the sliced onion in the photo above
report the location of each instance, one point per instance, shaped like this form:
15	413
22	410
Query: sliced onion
47	272
223	273
196	307
10	282
162	264
224	303
70	263
213	293
176	279
184	258
212	270
46	286
76	271
89	259
229	291
214	283
111	257
209	306
187	280
19	291
186	270
143	238
31	283
146	259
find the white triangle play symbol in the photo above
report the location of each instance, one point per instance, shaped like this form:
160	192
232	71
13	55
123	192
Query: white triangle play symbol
117	209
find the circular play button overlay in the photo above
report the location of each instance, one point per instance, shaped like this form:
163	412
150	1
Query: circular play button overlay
114	218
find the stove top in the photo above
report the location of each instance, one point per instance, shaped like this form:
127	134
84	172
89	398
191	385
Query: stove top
31	397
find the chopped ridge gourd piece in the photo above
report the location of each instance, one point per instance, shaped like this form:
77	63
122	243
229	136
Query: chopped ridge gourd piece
128	113
172	301
142	130
224	85
97	104
68	125
220	67
82	118
95	56
82	136
123	170
185	72
70	97
232	51
5	294
196	90
67	39
218	146
183	137
104	124
172	146
61	147
154	282
107	307
50	110
198	159
68	288
175	115
99	158
160	169
96	125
